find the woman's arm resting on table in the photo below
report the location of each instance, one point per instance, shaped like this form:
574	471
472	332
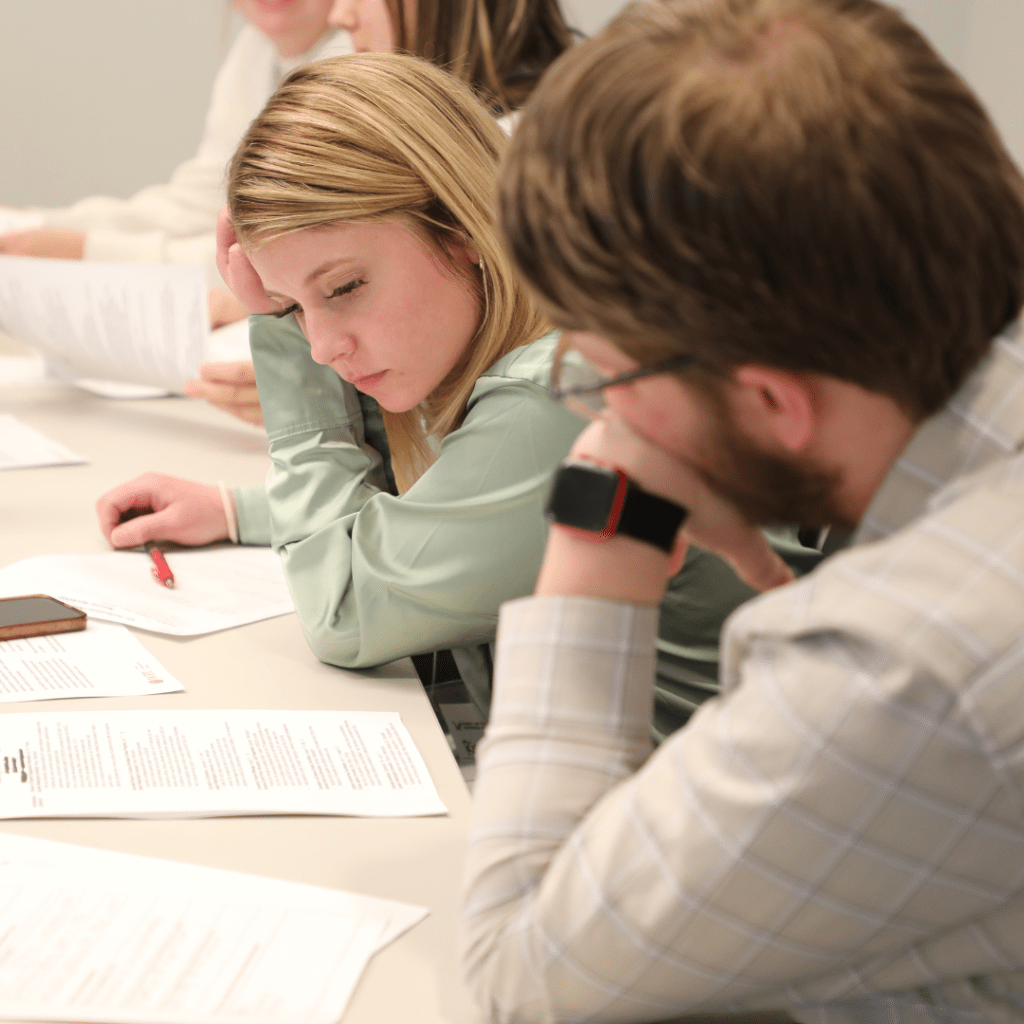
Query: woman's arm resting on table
181	511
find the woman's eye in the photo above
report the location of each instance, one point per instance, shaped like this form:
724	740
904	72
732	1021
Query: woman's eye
346	289
293	308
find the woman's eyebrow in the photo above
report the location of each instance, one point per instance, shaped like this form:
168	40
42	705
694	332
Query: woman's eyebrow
328	265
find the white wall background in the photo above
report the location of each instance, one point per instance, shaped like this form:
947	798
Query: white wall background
104	96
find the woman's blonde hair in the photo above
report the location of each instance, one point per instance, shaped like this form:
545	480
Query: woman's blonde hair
384	137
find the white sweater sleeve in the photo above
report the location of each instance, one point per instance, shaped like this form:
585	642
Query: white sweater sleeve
175	222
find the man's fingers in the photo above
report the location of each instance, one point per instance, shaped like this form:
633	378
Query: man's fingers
754	560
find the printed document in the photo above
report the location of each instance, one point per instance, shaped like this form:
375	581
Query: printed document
214	588
98	661
168	764
22	446
92	936
143	323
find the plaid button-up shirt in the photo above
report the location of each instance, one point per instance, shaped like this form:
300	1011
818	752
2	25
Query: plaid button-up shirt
841	833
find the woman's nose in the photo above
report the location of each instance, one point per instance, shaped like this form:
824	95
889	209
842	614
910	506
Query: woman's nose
327	342
343	15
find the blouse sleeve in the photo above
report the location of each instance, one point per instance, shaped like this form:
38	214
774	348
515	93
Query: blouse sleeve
374	576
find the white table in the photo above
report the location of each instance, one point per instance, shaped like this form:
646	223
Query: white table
264	665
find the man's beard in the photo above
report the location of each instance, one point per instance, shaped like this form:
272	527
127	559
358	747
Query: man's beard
767	489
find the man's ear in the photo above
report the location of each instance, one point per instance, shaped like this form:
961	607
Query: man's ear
776	405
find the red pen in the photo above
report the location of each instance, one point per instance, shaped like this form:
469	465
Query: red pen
161	570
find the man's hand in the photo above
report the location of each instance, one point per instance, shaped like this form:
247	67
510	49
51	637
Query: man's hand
164	508
239	274
627	570
56	243
231	387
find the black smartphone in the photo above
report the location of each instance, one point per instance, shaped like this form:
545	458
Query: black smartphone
37	615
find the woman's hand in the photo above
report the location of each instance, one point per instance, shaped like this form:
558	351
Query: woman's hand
238	273
162	508
231	387
57	243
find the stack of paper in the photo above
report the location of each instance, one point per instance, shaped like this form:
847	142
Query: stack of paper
215	588
167	764
106	937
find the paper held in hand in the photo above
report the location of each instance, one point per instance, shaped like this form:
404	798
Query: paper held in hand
180	764
143	323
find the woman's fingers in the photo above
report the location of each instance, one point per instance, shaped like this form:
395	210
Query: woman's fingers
231	387
182	511
238	273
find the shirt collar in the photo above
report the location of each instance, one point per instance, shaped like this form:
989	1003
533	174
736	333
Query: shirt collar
983	421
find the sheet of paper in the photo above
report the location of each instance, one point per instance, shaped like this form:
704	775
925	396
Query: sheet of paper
166	764
81	945
215	588
98	661
143	323
31	852
22	446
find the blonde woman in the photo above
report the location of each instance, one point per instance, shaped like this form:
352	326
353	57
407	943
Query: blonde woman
363	197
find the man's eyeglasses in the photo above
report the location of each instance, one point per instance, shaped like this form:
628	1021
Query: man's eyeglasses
577	383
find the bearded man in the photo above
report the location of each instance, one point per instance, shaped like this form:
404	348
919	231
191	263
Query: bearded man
790	243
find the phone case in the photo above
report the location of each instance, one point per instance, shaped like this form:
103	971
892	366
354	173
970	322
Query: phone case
74	621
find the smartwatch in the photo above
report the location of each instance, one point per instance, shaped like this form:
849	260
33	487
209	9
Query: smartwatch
597	502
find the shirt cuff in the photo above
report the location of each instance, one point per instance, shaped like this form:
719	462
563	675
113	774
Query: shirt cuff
253	513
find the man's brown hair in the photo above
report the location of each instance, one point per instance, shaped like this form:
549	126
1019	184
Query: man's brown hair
797	183
500	48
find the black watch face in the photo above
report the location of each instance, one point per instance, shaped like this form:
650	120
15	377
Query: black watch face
582	496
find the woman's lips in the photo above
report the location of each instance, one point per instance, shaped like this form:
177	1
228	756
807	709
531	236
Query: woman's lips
371	380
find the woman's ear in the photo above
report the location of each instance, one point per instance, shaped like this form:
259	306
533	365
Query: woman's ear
777	406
